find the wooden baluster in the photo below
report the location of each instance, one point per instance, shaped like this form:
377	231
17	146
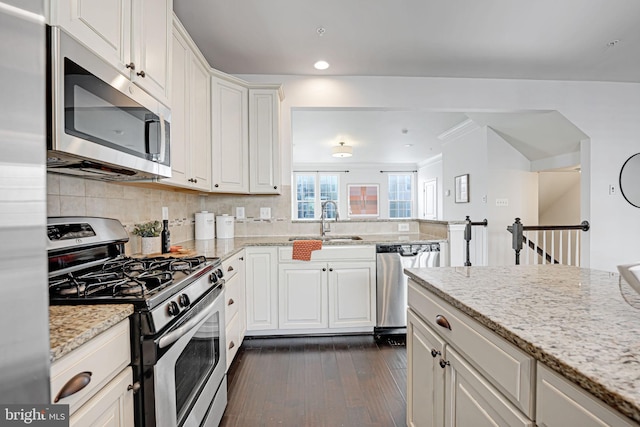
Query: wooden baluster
569	247
544	247
553	246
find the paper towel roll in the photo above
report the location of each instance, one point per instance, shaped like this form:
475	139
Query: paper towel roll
224	227
205	226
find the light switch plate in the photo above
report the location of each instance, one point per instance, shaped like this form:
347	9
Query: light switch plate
240	212
502	202
265	213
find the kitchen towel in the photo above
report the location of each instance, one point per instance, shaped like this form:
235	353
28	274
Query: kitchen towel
302	249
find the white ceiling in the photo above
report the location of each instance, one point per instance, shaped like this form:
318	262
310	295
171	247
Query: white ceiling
542	39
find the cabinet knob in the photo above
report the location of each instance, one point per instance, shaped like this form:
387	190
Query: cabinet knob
195	180
442	321
216	185
324	269
331	269
131	65
444	363
241	258
74	385
275	187
435	352
142	74
231	301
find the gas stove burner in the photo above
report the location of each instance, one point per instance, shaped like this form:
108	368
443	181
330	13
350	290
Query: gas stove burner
67	286
102	276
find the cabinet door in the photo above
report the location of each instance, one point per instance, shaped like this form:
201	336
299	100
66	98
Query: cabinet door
179	112
470	401
262	288
264	141
102	25
230	137
352	294
151	46
200	126
112	406
425	377
302	296
561	403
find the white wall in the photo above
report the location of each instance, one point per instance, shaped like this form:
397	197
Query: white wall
609	113
559	198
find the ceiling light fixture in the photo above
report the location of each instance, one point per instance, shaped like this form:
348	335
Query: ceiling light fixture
321	65
342	150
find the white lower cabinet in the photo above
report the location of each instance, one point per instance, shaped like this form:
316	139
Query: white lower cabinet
302	296
561	403
235	307
261	271
352	294
95	380
425	384
483	380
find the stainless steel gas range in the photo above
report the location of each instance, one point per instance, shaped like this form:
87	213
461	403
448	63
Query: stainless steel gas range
177	329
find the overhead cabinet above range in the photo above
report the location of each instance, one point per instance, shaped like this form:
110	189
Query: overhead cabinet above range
132	35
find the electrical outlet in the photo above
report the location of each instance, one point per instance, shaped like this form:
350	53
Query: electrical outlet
403	227
612	190
265	213
502	202
484	199
165	213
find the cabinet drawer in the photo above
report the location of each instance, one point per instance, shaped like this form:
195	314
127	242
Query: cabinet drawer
104	357
233	338
561	403
231	266
332	253
232	297
508	368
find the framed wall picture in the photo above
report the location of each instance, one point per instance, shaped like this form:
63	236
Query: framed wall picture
462	188
363	200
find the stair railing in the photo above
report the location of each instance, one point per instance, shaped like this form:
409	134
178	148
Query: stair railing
520	236
467	236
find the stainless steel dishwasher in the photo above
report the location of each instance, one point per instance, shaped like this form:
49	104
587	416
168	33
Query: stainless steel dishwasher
391	282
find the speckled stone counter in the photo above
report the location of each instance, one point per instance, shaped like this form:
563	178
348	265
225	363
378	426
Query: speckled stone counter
581	323
224	248
70	326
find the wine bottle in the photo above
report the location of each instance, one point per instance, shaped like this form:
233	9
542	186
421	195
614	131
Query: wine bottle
166	237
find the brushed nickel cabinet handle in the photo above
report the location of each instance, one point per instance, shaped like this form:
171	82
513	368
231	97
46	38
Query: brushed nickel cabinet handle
442	321
131	65
142	74
74	385
231	301
231	345
230	268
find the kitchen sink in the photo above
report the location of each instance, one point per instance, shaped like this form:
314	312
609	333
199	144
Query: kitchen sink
327	238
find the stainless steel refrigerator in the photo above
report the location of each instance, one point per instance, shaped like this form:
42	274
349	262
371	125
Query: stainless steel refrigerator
24	315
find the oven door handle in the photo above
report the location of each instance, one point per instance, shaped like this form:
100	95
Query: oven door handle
178	333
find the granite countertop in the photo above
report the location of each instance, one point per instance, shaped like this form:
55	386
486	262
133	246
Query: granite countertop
224	248
581	323
70	326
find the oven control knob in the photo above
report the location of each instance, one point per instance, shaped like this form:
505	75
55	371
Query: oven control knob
219	273
183	300
213	278
173	308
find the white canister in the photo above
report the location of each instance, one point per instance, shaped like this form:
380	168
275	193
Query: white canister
205	226
224	227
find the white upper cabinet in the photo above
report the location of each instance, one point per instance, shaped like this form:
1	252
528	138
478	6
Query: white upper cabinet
190	116
264	140
230	136
132	35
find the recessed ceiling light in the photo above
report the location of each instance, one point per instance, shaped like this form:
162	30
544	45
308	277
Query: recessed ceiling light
321	65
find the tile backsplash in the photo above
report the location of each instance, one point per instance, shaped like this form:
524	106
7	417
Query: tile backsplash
136	203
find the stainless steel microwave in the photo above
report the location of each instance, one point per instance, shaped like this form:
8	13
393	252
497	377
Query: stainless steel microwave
100	124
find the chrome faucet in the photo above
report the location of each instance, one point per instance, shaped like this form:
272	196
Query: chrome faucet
324	226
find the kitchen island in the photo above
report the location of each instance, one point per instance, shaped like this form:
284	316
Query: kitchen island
579	323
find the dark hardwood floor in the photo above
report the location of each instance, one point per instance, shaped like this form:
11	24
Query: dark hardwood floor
318	381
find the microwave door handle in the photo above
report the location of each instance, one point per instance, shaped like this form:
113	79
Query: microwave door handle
163	139
178	333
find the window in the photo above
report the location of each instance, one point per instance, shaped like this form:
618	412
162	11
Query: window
400	195
312	189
